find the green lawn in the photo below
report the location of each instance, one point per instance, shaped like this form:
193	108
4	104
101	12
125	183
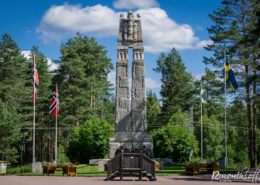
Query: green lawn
91	171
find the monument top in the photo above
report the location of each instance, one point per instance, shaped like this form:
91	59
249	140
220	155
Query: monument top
130	30
130	15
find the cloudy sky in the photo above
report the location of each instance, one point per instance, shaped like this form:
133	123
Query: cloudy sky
166	24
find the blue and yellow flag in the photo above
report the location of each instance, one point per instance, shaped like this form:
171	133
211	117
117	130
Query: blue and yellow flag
203	96
230	76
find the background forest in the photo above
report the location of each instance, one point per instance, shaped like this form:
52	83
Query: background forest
86	117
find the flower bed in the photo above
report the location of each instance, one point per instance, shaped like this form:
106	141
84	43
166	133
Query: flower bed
69	170
49	170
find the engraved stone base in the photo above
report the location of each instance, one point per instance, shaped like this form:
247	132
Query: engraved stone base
130	144
37	167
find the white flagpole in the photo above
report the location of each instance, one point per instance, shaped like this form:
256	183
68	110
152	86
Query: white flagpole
201	125
56	128
226	157
34	94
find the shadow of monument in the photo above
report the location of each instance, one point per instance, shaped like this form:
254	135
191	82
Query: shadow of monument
199	178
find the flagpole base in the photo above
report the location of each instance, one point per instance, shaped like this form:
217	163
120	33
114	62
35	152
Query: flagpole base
226	163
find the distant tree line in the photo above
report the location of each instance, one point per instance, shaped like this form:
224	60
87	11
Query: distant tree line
87	100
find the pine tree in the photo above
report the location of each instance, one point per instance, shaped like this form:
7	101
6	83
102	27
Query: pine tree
15	82
10	131
214	94
13	73
84	87
153	111
230	34
176	85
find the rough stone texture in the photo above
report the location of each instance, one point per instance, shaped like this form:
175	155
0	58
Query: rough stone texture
95	162
37	167
101	164
131	127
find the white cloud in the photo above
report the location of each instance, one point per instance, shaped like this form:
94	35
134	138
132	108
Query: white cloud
65	19
203	43
131	4
26	54
160	32
198	76
52	66
198	27
152	84
112	77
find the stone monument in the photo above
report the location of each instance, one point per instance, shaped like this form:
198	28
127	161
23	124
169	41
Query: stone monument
130	127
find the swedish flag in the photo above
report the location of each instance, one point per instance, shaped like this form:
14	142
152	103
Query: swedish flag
230	76
203	96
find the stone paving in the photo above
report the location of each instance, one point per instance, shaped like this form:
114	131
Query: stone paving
161	180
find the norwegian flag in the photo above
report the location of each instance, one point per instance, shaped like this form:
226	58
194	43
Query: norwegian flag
54	107
35	79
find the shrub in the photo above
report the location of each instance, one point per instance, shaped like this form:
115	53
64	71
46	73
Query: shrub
175	142
90	141
22	169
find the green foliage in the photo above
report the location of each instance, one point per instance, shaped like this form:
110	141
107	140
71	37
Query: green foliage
180	118
82	78
237	131
153	110
10	132
22	169
214	93
194	162
90	141
213	138
175	142
15	75
177	84
236	32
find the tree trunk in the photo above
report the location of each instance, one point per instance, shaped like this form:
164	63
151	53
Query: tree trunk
250	134
254	121
91	100
101	114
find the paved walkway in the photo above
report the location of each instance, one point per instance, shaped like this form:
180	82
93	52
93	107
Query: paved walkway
161	180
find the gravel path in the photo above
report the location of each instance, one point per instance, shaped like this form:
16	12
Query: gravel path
161	180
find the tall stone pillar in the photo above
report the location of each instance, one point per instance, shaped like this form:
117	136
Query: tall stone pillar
130	127
123	119
138	104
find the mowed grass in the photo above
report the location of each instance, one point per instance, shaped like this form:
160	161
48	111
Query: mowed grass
82	170
92	171
173	169
85	170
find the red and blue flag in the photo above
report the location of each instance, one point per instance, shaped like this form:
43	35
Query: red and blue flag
35	79
54	107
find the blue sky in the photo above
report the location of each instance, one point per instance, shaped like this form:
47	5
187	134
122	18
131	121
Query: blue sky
166	23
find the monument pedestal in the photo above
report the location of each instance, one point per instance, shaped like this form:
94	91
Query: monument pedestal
130	142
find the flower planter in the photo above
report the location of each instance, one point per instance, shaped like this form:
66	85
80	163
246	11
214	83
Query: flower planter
69	170
192	170
49	170
3	166
157	166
